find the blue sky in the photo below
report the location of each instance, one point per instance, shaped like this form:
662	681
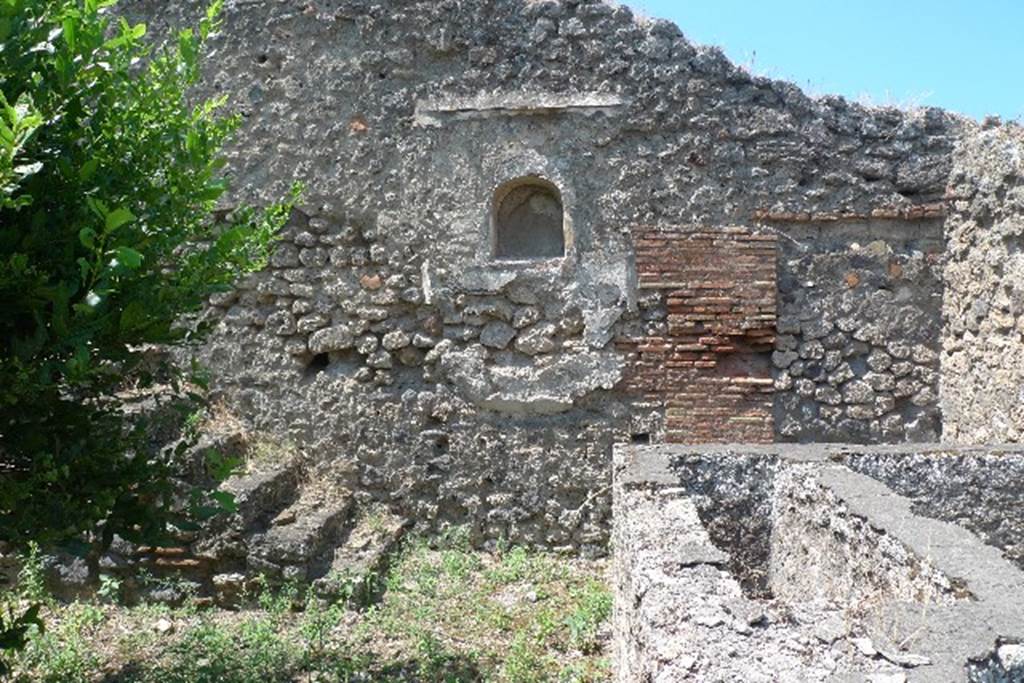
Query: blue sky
963	55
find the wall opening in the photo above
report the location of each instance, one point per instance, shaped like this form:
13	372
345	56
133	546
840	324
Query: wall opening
527	220
317	364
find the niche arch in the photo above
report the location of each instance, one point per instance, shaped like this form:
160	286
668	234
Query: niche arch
528	220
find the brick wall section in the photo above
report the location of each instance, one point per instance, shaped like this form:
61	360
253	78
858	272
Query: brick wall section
710	364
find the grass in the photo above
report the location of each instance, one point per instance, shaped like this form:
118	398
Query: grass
448	614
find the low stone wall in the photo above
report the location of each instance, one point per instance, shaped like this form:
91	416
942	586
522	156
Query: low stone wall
978	488
784	563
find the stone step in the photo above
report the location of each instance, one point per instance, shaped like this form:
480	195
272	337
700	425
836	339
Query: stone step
259	496
262	493
358	565
300	537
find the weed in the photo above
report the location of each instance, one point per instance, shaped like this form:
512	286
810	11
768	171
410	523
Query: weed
32	576
458	564
375	518
515	566
594	606
524	664
353	589
64	653
206	654
450	614
431	653
455	538
193	423
110	589
266	654
317	623
278	600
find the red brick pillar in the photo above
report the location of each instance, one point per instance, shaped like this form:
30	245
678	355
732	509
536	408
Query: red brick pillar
711	368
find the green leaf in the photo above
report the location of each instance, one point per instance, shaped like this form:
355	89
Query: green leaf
133	316
213	190
128	257
116	218
220	466
226	501
88	169
59	319
206	512
87	236
83	268
69	32
98	207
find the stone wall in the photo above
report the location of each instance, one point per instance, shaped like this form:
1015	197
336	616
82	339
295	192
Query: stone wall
982	347
384	335
856	358
978	488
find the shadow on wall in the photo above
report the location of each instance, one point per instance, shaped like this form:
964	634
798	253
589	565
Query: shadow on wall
528	220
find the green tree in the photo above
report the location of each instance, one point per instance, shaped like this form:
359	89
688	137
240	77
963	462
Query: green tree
110	174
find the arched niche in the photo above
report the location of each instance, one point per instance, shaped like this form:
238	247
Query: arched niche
528	220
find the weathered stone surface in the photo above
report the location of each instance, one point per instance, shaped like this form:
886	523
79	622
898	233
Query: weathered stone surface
880	282
982	349
497	335
335	338
394	340
310	528
517	390
786	565
537	339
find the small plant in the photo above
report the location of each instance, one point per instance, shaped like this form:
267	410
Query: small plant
594	607
193	423
278	600
432	655
455	538
458	564
32	576
110	589
267	656
375	518
515	565
524	664
317	623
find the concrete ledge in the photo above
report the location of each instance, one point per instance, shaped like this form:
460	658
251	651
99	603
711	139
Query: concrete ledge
437	111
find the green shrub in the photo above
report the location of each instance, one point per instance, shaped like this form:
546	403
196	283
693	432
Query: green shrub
109	178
